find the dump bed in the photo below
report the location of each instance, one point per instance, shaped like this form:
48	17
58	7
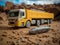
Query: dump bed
39	14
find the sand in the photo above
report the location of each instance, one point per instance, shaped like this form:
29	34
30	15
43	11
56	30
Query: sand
21	36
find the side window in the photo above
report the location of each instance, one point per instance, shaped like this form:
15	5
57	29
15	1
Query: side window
22	14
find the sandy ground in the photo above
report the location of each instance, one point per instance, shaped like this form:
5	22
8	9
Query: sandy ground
20	36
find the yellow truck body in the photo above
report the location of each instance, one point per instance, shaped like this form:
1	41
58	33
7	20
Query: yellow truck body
29	16
38	14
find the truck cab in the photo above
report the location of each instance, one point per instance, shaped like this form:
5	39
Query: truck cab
15	16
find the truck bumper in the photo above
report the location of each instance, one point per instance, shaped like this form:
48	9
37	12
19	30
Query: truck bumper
17	24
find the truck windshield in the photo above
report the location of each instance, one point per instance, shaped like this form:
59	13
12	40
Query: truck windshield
13	14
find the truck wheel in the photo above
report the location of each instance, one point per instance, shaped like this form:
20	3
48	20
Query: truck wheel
42	21
28	24
22	24
50	21
38	22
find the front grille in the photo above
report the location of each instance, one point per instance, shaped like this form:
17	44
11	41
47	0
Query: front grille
11	19
11	22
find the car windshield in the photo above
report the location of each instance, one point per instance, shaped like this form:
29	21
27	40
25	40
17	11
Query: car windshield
13	14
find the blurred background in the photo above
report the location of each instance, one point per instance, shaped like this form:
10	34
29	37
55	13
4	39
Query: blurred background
51	6
20	36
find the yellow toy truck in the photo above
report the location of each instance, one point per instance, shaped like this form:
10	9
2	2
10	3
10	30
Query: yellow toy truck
26	17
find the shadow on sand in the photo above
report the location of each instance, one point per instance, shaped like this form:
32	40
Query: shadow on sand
10	28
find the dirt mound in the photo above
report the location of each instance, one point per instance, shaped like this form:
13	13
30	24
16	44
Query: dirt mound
3	18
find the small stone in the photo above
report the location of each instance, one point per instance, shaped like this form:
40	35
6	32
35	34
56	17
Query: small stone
59	42
54	40
18	34
4	35
12	43
10	37
13	32
1	39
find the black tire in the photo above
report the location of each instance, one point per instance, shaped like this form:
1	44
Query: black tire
28	24
22	24
38	22
50	21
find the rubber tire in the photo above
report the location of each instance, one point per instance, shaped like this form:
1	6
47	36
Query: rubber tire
50	21
38	22
28	24
22	24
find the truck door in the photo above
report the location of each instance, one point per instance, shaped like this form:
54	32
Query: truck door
22	14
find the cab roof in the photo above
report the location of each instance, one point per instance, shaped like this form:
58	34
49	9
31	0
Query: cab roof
17	10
